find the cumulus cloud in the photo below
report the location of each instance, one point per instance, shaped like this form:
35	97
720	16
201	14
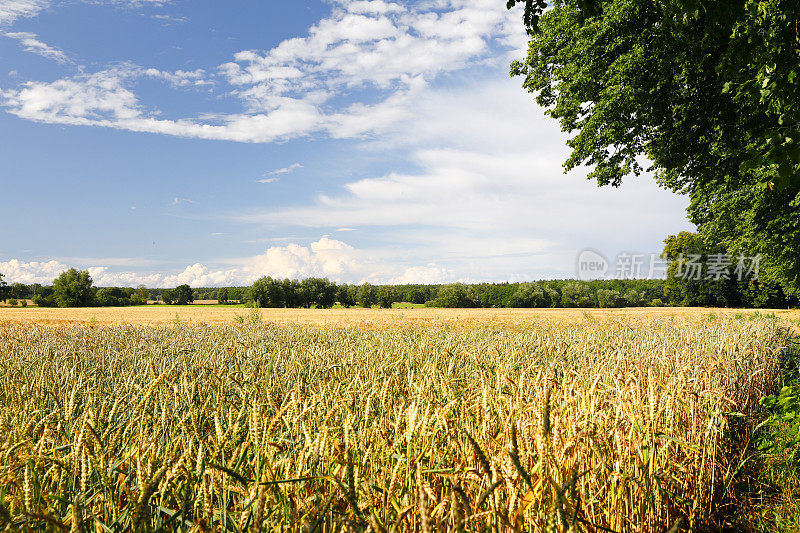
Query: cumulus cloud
31	43
16	271
378	44
325	257
303	86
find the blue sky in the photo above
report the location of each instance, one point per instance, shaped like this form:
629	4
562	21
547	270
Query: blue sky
210	143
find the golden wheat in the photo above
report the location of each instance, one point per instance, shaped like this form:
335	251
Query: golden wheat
622	425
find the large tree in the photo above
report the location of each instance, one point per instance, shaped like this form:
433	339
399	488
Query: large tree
367	296
705	94
267	292
183	294
73	288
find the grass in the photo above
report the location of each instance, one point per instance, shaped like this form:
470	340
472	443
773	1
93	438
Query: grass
776	453
614	423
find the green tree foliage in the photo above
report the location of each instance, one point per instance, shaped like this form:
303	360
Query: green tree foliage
577	294
222	295
707	92
44	297
367	295
701	275
140	296
634	298
386	296
267	292
18	290
183	295
610	298
529	295
318	292
73	288
180	295
346	295
119	296
311	292
455	295
107	297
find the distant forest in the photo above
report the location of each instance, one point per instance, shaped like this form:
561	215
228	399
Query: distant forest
697	275
322	293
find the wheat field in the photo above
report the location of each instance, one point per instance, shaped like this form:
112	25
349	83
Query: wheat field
619	424
206	314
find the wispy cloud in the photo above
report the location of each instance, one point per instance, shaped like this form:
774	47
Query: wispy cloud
272	176
170	19
177	200
109	261
11	10
284	170
31	43
483	204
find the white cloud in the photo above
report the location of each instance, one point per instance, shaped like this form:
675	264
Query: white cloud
284	170
168	19
198	275
11	10
32	44
378	44
325	257
490	199
15	271
423	274
373	6
179	78
103	99
303	86
177	200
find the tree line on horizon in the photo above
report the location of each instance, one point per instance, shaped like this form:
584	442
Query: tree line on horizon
710	287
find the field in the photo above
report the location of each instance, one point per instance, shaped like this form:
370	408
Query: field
407	420
206	314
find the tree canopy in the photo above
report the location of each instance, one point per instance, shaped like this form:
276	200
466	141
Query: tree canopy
704	94
73	288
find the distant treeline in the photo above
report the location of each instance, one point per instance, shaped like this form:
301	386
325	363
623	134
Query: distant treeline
697	275
322	293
